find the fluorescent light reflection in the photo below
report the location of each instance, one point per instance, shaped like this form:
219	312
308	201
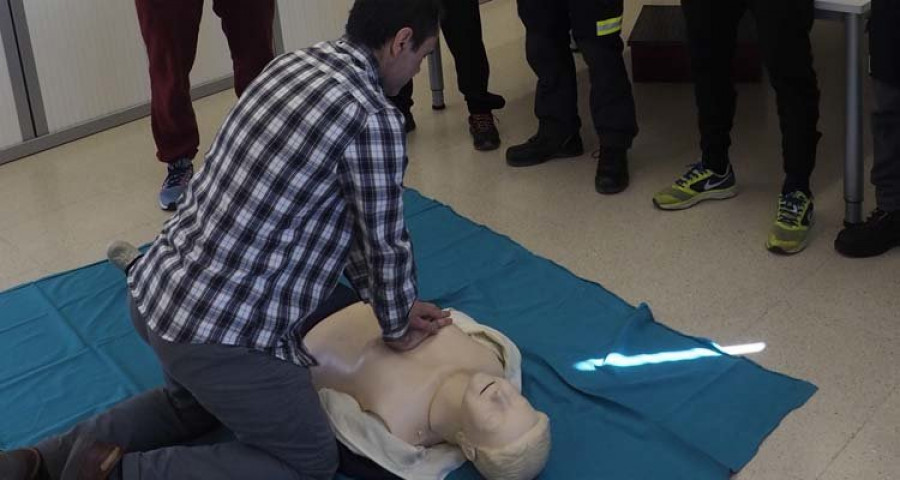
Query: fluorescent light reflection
619	360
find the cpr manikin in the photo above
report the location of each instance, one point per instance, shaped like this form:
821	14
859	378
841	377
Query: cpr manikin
454	389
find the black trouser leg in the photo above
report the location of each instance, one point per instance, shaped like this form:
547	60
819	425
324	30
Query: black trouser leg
461	26
597	25
547	50
403	100
784	28
712	32
886	131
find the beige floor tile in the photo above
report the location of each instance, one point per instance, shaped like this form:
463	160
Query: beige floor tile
15	266
855	369
703	271
79	233
873	453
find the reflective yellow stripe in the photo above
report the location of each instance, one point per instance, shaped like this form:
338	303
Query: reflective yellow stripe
607	27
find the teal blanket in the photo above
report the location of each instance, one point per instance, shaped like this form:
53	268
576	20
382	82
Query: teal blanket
628	398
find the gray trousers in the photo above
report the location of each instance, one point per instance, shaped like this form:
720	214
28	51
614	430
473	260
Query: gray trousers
886	131
280	430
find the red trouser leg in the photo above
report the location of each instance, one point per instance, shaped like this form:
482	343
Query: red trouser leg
248	27
170	29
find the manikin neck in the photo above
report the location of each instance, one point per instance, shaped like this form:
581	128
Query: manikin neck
445	413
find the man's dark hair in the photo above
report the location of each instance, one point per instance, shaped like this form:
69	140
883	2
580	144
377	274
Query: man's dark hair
374	22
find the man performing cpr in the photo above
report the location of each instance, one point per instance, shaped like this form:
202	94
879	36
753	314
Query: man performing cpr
302	182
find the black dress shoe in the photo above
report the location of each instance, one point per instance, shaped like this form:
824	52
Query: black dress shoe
484	132
22	464
540	148
879	233
612	170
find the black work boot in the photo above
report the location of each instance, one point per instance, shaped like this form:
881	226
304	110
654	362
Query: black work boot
540	148
612	170
879	233
484	132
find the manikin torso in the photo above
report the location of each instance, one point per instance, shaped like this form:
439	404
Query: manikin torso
396	387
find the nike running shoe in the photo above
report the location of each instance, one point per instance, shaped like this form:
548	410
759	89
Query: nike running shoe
790	233
695	186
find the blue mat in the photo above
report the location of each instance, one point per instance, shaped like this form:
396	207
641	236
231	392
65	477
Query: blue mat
68	351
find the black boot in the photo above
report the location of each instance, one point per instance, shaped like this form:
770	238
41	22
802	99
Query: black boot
540	148
612	170
880	233
484	132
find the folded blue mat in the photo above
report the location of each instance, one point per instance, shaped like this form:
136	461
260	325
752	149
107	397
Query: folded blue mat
68	351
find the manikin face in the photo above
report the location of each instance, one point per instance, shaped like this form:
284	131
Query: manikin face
401	61
495	414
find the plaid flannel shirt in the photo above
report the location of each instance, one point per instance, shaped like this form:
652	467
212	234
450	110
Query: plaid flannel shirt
304	180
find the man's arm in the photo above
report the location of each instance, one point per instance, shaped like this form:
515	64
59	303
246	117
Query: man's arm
381	265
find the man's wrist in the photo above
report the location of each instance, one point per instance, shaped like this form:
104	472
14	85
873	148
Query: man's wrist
396	335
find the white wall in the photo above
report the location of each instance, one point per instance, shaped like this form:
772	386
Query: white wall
91	61
10	133
306	22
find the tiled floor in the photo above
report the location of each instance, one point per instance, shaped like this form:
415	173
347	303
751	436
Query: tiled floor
825	318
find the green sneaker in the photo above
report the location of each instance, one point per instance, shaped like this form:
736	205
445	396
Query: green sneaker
795	218
695	186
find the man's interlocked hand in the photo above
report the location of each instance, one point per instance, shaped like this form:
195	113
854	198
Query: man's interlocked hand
425	319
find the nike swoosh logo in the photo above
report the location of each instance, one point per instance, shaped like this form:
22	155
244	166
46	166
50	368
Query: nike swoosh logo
710	184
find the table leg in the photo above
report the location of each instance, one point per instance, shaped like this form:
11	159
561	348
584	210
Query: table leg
853	155
436	78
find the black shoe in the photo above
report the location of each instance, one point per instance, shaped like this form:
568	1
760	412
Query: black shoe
880	233
540	148
409	123
22	464
612	170
484	133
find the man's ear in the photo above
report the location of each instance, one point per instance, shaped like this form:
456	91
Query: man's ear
403	38
466	446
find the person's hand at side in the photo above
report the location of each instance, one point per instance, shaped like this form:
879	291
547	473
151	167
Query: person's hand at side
425	319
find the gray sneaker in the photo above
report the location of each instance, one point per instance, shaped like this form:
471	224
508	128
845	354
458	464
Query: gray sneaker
177	179
122	254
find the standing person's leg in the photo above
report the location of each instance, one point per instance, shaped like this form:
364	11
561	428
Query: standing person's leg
784	29
556	97
248	27
154	419
170	29
404	102
881	231
712	32
597	27
886	134
461	26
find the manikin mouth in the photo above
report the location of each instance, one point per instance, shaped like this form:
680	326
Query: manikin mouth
486	387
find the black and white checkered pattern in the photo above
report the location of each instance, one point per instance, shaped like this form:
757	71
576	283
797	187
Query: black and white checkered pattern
303	180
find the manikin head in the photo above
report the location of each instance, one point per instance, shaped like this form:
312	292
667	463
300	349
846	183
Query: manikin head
502	434
400	34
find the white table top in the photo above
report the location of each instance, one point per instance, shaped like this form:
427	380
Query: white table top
844	6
